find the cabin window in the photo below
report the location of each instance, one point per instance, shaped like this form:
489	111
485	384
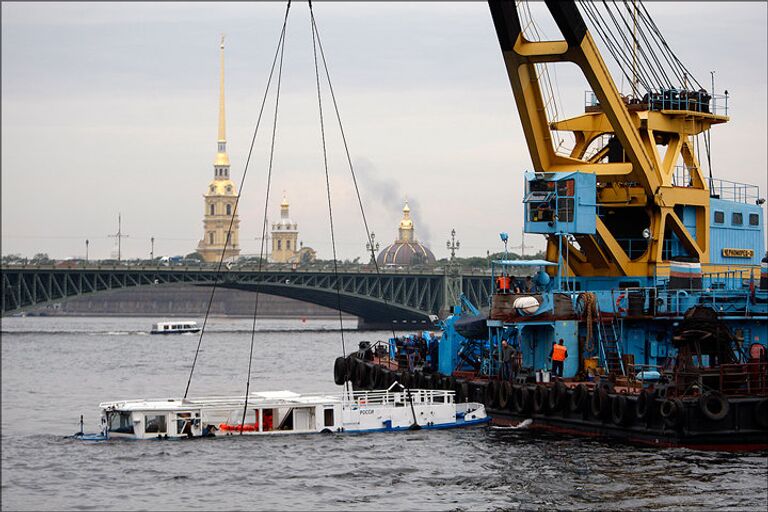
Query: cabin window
166	327
328	418
120	422
737	219
754	219
155	424
719	217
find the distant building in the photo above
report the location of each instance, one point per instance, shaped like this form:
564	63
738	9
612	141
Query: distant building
285	240
406	250
220	197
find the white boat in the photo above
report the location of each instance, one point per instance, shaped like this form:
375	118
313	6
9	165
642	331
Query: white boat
285	412
176	327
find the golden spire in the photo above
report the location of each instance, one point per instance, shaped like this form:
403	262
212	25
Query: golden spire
405	231
221	155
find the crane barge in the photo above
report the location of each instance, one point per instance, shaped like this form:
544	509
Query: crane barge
654	277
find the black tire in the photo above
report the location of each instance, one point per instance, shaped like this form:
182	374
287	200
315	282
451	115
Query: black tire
397	377
449	383
599	403
556	396
714	405
340	371
671	411
521	399
619	409
643	406
428	381
577	398
361	375
351	366
386	377
374	374
540	398
504	394
462	391
493	392
761	413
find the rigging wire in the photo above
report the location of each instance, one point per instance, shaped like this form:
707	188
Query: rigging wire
280	43
327	179
316	33
264	224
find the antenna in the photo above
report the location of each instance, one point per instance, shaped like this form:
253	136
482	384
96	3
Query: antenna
119	236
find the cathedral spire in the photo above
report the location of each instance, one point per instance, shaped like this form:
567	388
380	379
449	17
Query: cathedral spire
222	159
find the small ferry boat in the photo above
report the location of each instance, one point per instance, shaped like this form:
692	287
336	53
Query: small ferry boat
176	327
285	412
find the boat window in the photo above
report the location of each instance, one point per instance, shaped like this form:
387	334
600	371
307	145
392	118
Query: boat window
166	327
185	423
155	424
287	422
737	219
719	217
120	422
754	219
328	416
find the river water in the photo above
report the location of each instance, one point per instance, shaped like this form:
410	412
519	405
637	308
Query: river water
54	369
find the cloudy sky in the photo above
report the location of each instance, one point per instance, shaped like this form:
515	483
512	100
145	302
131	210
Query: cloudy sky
112	107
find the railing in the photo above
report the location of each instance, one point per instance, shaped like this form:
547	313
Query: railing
734	191
633	370
670	99
744	379
391	397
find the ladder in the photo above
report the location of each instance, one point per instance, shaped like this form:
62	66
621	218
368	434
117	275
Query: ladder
608	340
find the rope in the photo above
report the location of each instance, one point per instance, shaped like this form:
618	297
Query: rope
316	34
237	201
264	224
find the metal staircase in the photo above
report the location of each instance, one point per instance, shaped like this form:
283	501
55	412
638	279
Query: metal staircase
610	348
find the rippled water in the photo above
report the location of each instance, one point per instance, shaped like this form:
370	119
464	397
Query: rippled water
54	369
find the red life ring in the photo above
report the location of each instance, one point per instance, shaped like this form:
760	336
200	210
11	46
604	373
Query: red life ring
619	307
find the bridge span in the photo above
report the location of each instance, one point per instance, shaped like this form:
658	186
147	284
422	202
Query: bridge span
392	297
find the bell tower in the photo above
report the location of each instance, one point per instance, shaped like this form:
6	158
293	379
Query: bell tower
221	196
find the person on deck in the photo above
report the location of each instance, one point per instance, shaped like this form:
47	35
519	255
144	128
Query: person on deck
410	353
558	355
508	354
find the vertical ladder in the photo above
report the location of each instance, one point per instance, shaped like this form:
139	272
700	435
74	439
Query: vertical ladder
610	348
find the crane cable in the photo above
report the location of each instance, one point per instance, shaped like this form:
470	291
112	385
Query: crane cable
280	44
266	205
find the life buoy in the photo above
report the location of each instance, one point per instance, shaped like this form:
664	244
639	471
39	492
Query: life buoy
577	397
671	411
619	409
540	396
248	427
339	371
619	300
714	405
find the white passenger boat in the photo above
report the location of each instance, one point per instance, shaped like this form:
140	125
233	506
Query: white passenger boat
284	412
177	327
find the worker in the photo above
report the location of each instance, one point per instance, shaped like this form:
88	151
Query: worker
558	355
502	283
410	352
508	354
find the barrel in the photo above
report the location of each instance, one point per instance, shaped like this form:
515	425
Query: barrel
684	273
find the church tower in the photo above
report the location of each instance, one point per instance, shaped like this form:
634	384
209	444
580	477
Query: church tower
221	195
285	235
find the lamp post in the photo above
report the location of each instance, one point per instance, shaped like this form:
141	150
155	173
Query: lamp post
453	245
152	249
86	250
372	246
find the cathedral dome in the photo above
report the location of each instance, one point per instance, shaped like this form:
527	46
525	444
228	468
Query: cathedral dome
406	250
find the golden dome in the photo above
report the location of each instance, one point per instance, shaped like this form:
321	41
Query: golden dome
219	187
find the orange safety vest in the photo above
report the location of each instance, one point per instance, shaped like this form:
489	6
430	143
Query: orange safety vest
503	282
558	352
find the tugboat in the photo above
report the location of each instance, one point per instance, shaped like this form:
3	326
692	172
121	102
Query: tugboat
653	277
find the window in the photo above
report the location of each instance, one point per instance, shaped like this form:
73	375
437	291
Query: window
213	189
229	209
213	209
719	217
328	417
737	218
120	422
288	245
754	219
210	237
279	245
229	189
155	424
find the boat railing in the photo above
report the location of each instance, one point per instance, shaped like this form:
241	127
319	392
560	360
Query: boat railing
402	397
637	373
744	379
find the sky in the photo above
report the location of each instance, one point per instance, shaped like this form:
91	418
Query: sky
111	108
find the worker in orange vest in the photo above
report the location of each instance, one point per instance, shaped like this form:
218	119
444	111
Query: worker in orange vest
502	283
558	355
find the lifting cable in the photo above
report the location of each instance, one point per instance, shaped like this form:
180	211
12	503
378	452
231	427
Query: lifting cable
278	51
281	51
316	36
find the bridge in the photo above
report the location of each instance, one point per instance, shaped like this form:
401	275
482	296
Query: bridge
380	300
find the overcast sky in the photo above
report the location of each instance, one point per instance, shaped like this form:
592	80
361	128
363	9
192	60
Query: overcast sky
112	107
